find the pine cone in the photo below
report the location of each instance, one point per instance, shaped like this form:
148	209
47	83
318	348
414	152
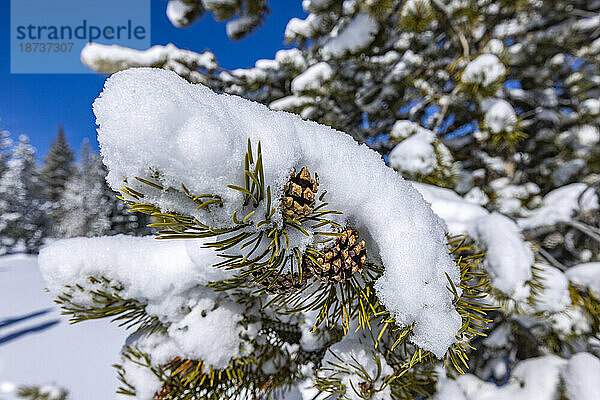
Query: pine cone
299	195
284	282
342	259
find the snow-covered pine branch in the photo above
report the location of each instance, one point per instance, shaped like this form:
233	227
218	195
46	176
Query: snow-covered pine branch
107	59
170	145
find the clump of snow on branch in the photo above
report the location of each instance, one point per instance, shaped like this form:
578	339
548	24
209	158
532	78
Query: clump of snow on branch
554	302
484	70
313	78
415	154
358	34
555	295
459	214
290	58
586	275
108	59
500	116
178	12
419	153
298	28
290	102
508	257
404	128
589	107
143	379
244	23
510	197
66	261
154	119
587	135
560	205
581	377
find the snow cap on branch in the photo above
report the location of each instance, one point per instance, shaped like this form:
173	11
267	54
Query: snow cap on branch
145	267
415	154
484	70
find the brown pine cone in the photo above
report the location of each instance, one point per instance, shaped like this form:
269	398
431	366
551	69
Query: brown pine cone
299	195
340	260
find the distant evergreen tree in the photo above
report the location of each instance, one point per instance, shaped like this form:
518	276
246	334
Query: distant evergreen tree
57	167
23	219
54	173
84	207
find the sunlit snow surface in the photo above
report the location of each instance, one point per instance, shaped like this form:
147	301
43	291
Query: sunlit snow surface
38	346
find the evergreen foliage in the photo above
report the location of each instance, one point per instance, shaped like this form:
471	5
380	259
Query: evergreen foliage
243	16
542	91
54	173
57	167
88	206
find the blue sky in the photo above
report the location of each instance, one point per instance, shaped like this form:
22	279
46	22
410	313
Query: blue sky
35	104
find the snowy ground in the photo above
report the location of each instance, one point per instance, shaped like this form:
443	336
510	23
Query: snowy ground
39	346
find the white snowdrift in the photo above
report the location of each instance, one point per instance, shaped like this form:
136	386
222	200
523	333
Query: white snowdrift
40	347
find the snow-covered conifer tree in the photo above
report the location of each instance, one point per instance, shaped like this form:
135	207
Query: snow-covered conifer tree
84	206
54	173
57	167
491	108
23	220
